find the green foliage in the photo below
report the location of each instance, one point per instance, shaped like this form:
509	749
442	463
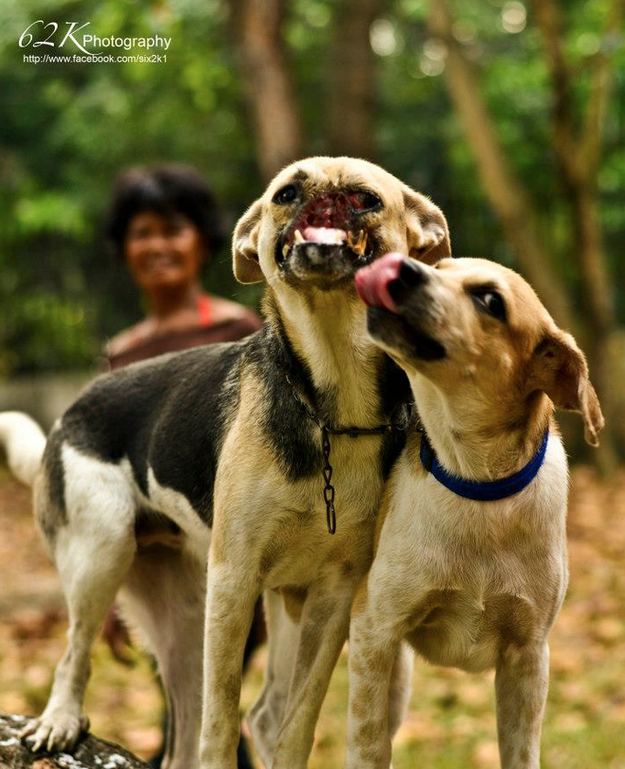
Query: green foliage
67	129
35	327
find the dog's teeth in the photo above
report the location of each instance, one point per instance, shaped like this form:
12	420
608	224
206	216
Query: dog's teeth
360	244
299	238
285	250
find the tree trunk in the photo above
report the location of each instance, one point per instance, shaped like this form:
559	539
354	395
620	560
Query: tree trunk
257	32
350	80
578	156
505	194
599	312
578	152
91	753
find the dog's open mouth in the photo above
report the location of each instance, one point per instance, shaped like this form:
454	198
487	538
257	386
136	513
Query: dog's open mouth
392	289
328	240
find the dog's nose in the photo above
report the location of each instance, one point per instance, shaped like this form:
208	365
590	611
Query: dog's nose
411	273
411	276
389	280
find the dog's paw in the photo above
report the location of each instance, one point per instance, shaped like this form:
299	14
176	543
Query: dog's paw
54	732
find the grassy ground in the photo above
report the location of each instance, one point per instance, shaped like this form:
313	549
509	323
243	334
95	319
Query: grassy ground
451	724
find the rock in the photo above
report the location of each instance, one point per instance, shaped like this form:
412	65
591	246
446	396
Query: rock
90	753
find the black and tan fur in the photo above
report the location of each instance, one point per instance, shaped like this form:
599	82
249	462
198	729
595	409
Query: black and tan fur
153	458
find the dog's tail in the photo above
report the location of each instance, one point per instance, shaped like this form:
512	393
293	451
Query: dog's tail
24	442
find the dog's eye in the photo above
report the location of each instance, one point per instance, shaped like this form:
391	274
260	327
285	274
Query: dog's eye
363	202
286	195
487	300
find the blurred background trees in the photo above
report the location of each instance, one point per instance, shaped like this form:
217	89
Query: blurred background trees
510	115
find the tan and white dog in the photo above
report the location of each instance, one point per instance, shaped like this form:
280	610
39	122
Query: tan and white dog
470	564
261	442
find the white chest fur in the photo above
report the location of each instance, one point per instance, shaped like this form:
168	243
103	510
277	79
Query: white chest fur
475	575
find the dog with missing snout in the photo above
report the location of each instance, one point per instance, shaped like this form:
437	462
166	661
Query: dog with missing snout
218	451
470	564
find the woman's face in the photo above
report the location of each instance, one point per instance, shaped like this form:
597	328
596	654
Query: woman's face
163	251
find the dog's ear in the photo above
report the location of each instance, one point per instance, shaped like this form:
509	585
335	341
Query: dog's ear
559	368
245	262
427	233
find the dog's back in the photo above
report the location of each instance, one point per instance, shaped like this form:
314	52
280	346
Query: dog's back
165	415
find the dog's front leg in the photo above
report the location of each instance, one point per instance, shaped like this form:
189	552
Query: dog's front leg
324	625
376	660
521	688
231	595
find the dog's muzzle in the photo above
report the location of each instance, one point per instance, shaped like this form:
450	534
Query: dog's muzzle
327	241
394	288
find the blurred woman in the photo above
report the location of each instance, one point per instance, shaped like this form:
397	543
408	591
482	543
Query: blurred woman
164	224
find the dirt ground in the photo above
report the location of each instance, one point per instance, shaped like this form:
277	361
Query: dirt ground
451	724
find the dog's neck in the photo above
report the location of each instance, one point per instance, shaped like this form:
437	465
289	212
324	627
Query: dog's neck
475	439
327	332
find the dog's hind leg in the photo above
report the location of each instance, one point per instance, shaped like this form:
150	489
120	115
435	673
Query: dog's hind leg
324	626
93	551
266	715
164	597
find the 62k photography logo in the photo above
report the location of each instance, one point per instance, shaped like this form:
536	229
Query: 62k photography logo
44	36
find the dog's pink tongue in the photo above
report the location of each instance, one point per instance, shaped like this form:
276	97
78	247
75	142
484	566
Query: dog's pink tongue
324	235
372	282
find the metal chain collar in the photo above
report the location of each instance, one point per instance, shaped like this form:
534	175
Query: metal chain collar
329	492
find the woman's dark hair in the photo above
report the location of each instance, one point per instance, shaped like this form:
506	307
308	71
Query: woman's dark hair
166	190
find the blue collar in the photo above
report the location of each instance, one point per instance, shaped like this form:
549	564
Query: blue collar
483	491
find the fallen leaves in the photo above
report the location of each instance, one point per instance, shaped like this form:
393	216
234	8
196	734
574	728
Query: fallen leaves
451	722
